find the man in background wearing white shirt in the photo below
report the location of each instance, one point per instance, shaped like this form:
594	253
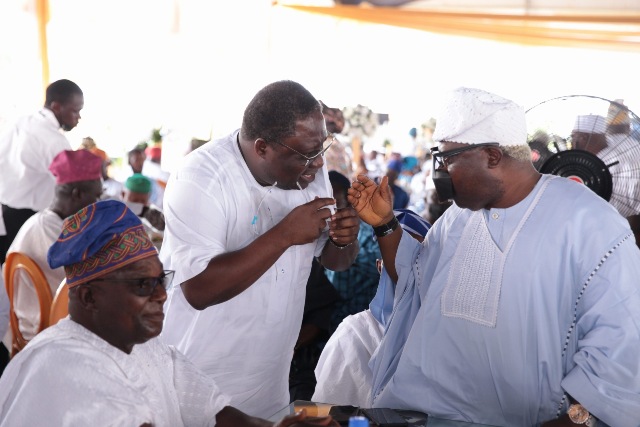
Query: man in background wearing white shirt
26	151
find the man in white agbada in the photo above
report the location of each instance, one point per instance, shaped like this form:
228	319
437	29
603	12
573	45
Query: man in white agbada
522	306
105	365
78	184
245	215
343	375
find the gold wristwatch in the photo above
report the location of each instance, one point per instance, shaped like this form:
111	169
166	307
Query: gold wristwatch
578	414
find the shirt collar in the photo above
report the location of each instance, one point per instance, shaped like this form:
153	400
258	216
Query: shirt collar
50	117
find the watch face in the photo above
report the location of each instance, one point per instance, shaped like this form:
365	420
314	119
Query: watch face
578	414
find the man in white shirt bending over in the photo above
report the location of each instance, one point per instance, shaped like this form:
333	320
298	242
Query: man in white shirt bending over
245	215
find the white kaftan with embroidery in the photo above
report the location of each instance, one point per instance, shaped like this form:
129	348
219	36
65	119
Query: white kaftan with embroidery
68	376
501	312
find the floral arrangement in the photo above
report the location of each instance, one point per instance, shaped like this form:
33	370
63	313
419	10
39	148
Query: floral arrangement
360	121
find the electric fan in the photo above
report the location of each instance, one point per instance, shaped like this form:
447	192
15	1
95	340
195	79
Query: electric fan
609	164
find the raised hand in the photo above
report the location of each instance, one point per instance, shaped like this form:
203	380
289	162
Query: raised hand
371	201
305	223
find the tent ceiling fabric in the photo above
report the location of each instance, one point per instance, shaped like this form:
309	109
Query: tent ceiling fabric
612	31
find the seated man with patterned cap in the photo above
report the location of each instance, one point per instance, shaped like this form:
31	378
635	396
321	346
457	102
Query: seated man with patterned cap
520	308
105	365
78	184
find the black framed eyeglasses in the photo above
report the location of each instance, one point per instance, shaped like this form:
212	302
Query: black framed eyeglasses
308	159
144	286
440	158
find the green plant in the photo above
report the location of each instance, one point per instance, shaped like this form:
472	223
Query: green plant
156	136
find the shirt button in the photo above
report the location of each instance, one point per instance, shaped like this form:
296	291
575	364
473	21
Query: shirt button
495	215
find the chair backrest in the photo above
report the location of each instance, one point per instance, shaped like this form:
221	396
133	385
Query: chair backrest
15	263
60	305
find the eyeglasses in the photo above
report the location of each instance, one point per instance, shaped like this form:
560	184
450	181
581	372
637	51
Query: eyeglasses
441	158
308	159
144	286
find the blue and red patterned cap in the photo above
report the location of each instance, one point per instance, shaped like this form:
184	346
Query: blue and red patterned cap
100	238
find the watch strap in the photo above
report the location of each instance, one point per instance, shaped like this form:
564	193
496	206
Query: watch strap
385	229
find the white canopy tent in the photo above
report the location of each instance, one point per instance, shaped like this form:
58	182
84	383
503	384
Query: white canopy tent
190	66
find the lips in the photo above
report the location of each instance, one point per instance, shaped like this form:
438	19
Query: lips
308	176
155	317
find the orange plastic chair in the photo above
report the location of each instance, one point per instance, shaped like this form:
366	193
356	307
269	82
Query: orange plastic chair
14	263
60	304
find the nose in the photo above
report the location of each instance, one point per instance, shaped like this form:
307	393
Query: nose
318	162
159	294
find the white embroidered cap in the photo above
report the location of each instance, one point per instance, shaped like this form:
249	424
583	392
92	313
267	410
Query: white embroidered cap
590	123
474	116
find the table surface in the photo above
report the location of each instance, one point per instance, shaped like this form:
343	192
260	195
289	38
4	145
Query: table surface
415	419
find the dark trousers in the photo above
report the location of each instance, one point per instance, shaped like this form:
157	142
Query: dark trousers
13	220
4	358
302	378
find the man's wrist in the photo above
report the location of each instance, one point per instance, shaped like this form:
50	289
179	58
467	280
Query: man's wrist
386	228
579	415
386	219
340	246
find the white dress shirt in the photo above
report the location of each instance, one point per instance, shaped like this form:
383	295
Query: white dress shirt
26	151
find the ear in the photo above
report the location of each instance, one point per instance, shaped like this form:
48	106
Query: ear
55	106
76	193
494	158
260	147
86	297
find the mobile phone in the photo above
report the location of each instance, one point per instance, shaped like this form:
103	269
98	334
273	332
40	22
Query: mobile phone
342	413
384	417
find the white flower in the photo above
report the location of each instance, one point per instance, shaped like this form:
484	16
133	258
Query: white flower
360	121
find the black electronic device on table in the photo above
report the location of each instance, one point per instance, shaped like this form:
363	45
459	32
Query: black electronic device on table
384	417
342	413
